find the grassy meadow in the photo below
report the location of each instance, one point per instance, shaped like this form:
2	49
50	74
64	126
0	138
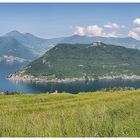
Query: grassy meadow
99	114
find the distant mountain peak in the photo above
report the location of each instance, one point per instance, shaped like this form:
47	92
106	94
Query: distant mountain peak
14	33
17	33
75	35
28	34
22	36
32	36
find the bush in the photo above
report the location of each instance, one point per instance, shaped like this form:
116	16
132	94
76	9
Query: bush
13	93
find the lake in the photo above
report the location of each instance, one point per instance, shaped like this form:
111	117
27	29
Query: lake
71	87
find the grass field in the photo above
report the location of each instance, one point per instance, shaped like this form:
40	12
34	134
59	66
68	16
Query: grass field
100	114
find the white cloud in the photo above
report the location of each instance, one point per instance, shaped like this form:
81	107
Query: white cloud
80	31
93	30
112	25
137	21
112	34
135	33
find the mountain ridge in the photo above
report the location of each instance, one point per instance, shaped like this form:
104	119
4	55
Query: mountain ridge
38	46
46	43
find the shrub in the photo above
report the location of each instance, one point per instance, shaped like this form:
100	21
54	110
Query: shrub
13	93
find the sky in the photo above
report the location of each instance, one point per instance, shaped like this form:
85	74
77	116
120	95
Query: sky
49	20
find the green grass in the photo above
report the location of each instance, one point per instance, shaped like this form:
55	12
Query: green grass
100	114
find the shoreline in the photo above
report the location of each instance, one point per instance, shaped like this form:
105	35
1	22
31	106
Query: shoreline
30	78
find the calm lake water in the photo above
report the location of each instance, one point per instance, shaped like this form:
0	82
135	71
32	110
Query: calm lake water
73	87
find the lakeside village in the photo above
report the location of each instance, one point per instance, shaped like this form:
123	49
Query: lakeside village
21	76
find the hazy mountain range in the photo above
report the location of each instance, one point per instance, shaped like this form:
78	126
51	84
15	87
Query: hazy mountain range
27	47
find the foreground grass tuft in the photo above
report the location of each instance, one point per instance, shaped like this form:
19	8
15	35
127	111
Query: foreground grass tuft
100	114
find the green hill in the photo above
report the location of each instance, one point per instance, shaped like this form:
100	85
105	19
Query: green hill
85	61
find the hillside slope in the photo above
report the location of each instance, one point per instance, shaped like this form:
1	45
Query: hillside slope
12	50
100	114
36	44
84	61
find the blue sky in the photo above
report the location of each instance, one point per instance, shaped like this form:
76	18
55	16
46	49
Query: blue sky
59	19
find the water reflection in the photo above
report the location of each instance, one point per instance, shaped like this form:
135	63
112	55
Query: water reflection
82	86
